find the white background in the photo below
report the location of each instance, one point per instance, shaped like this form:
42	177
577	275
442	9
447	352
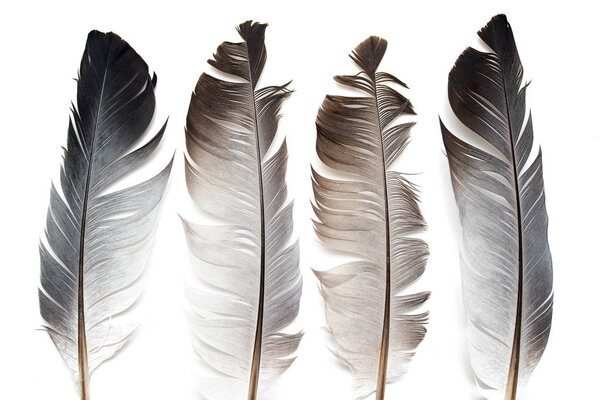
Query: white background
41	44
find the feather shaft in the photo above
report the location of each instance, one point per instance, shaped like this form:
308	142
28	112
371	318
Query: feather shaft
256	353
513	373
385	335
82	351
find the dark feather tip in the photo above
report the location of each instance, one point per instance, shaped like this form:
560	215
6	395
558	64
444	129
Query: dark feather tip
498	35
368	54
251	31
101	39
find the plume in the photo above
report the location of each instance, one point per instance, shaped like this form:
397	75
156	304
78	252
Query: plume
97	241
499	190
373	216
248	283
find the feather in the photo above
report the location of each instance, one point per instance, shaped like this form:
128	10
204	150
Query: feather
374	216
507	267
97	241
249	281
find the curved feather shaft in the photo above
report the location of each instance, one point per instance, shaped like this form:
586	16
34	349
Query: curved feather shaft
372	217
385	334
513	371
507	271
250	37
82	351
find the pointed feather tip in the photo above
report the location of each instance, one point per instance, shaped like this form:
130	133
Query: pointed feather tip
285	88
167	169
497	22
369	53
497	34
251	30
409	109
102	42
497	27
446	136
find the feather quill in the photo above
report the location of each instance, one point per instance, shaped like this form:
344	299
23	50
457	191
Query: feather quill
507	267
97	242
374	216
250	283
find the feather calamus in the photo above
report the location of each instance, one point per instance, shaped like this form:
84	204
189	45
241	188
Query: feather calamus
98	241
507	267
249	281
373	216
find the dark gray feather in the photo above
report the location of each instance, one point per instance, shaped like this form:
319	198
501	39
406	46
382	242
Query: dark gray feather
98	241
507	267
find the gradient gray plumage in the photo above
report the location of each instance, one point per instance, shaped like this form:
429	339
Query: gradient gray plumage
251	264
97	240
507	267
373	216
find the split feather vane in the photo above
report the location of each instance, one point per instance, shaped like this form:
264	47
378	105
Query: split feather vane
97	241
374	216
250	283
507	267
